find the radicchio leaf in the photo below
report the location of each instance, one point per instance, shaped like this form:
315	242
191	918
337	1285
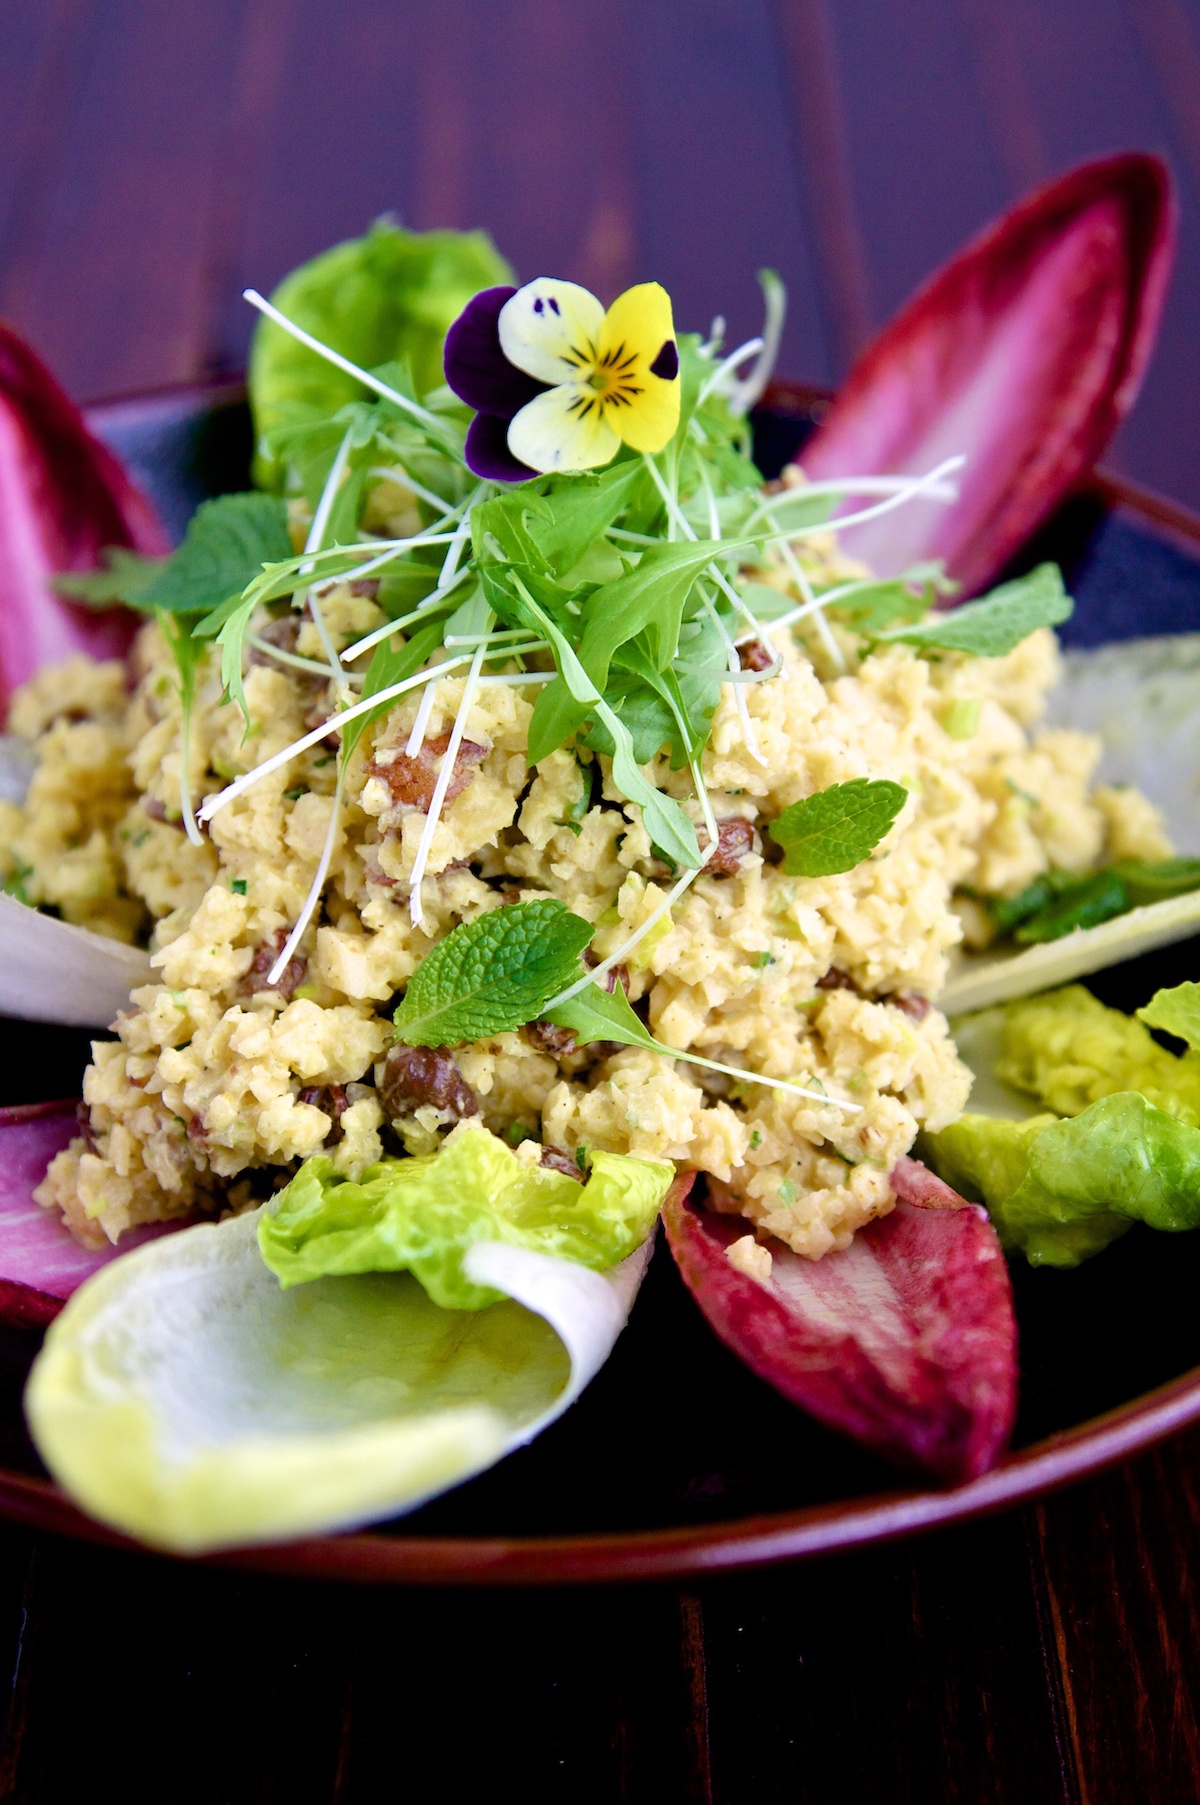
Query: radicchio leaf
63	498
1025	352
905	1341
41	1262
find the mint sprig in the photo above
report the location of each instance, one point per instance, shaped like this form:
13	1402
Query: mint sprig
997	623
837	828
492	974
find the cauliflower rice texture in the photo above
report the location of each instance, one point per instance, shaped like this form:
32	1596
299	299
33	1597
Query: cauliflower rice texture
217	1083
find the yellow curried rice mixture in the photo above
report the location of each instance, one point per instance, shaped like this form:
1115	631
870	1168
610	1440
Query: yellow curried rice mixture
216	1083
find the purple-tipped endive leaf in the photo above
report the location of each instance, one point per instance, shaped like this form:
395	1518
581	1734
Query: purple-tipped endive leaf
905	1341
185	1398
63	498
1024	352
41	1262
53	972
1141	697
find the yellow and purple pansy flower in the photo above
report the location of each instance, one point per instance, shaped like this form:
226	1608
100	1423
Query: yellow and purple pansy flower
558	383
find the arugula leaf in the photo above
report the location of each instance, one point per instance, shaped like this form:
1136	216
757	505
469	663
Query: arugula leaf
123	577
595	1014
649	599
227	544
492	974
665	822
994	625
581	509
1175	1011
835	829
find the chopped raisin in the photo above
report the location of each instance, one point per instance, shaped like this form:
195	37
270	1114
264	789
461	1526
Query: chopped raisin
558	1161
413	1076
265	955
412	781
735	836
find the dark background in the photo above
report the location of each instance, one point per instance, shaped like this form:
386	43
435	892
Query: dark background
156	156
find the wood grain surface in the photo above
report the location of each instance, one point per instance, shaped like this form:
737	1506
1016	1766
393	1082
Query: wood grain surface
154	159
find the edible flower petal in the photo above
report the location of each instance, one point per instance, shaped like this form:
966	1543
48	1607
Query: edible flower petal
560	385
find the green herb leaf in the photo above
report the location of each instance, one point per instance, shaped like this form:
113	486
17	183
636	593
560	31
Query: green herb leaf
1151	880
228	542
648	600
1175	1011
392	661
492	974
596	1014
1082	903
870	607
837	828
582	508
124	577
993	626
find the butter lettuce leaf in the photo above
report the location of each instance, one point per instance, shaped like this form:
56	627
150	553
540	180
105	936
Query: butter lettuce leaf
421	1215
1062	1190
1176	1011
1067	1050
388	296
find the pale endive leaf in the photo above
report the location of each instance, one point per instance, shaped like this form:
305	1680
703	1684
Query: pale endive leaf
53	972
1142	696
185	1398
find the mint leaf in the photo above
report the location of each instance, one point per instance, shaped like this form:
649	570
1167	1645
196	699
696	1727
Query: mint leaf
227	543
993	626
124	577
596	1014
836	829
1175	1011
492	974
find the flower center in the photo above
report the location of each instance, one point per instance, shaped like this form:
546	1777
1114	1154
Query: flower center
611	377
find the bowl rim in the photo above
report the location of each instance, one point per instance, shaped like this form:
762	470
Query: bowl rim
371	1556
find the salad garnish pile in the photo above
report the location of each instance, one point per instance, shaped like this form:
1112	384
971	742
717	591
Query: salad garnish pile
571	528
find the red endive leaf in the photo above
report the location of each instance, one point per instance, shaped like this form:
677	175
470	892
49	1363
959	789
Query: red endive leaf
1024	352
63	498
906	1341
41	1263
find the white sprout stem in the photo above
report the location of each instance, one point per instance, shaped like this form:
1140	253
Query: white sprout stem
776	1084
598	972
497	639
728	365
825	600
745	393
859	485
706	810
429	606
416	738
517	677
316	542
812	606
462	533
334	724
294	661
734	664
425	845
714	571
397	474
930	486
714	517
343	363
312	900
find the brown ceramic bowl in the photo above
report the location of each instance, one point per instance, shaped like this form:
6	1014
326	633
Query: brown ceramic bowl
677	1461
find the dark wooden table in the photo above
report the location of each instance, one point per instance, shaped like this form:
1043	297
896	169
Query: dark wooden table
153	160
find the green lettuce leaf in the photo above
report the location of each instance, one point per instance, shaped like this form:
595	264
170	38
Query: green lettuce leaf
1062	1190
390	295
1176	1011
1067	1050
421	1215
185	1397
